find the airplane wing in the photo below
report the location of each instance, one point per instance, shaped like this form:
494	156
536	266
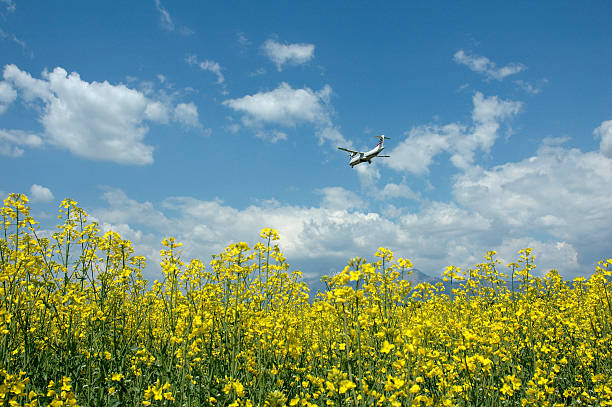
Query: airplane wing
347	150
380	156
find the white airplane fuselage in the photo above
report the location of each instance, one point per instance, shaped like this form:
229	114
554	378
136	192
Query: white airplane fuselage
359	158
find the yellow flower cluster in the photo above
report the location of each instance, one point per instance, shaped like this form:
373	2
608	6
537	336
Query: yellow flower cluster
80	326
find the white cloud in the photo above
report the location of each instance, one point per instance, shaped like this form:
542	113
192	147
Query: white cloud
485	66
206	227
288	107
392	190
417	151
368	175
558	255
30	87
446	219
604	132
487	115
332	135
165	19
436	235
546	195
271	136
12	141
285	106
213	67
38	193
187	115
95	120
7	96
292	54
339	198
157	112
123	210
330	234
532	89
210	66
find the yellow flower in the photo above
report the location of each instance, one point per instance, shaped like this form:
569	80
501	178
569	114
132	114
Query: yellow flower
346	385
157	394
387	347
66	386
354	275
239	388
117	377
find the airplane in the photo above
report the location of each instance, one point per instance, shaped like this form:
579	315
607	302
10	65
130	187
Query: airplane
358	157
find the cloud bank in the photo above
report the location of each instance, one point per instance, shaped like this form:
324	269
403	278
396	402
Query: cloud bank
540	202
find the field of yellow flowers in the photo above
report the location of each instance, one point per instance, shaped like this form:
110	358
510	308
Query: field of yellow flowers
80	326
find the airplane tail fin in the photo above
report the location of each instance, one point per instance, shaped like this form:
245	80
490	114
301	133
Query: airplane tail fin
382	139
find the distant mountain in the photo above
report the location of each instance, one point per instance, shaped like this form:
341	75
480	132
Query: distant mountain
418	277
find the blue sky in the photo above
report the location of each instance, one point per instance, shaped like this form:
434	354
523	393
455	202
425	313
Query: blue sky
209	121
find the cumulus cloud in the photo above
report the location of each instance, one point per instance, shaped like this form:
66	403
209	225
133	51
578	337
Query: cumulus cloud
559	255
368	175
483	65
291	54
331	134
487	115
547	189
511	207
95	120
329	234
157	112
288	107
391	191
416	153
12	141
187	115
604	132
207	227
38	193
7	96
31	88
284	105
340	198
546	194
210	66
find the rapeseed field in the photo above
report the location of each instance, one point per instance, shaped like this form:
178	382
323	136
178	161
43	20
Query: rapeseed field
80	326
